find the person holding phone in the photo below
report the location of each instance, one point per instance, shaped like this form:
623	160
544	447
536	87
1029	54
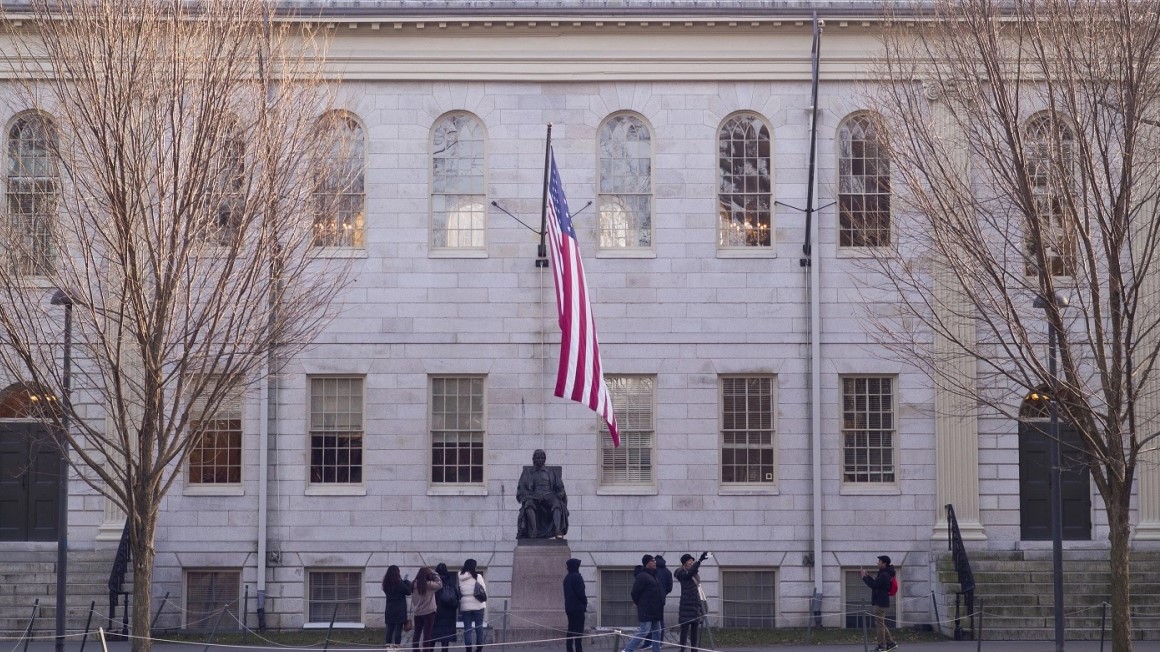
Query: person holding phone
880	597
691	608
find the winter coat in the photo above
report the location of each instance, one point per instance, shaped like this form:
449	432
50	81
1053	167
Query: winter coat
424	603
575	599
467	590
690	606
880	587
647	594
445	617
397	603
664	577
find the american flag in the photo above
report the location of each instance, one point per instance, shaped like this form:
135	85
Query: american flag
579	377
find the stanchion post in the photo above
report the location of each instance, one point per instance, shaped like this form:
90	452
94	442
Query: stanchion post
1103	623
157	615
104	643
88	624
333	615
979	638
504	638
212	632
31	619
937	622
865	633
245	615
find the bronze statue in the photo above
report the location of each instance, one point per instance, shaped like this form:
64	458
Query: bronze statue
543	501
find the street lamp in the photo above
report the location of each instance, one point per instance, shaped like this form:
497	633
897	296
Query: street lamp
60	298
1060	302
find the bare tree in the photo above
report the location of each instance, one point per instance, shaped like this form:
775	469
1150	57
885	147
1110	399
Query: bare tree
169	174
1022	139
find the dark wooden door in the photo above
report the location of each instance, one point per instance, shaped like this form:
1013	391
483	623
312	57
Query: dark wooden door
29	474
1035	485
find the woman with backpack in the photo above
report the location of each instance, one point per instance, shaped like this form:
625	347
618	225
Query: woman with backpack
473	600
446	608
427	584
396	589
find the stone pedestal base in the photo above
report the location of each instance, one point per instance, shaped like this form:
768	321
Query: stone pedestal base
538	569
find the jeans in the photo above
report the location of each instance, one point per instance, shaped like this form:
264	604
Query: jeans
473	624
421	635
650	630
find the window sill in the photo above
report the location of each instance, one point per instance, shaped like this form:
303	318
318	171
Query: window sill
457	490
35	282
457	253
625	253
869	489
626	490
213	490
867	252
336	625
748	490
338	252
335	490
748	252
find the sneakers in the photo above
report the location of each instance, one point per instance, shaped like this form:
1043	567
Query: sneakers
890	646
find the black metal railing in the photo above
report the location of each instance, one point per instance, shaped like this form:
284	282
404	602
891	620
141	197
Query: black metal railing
963	569
117	583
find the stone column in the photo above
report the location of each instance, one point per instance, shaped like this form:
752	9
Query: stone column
1148	408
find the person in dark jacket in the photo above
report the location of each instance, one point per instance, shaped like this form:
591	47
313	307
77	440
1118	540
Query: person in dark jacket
650	605
690	609
575	604
880	597
665	579
446	615
396	589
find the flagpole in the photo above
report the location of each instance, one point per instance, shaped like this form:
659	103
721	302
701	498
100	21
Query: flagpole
542	252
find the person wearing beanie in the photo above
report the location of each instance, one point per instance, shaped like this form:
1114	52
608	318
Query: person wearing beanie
650	605
575	604
665	579
691	607
880	597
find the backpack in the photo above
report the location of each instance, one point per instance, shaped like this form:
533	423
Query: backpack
893	586
448	596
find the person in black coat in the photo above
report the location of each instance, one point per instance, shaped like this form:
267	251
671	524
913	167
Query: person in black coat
396	589
665	579
575	604
446	615
880	597
690	609
650	605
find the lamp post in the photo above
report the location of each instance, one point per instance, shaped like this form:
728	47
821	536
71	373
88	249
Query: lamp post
59	298
1060	302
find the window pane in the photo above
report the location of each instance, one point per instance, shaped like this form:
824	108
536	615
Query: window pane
458	216
616	606
457	430
217	457
863	185
31	195
625	170
336	430
1050	158
748	600
339	196
744	184
868	429
207	592
335	594
747	437
633	398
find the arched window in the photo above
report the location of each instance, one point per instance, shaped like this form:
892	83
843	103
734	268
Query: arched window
863	184
745	185
458	177
1051	227
625	183
339	195
23	401
32	194
230	169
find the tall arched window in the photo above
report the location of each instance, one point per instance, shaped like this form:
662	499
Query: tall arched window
339	195
32	194
458	179
1050	233
863	184
745	184
230	168
625	182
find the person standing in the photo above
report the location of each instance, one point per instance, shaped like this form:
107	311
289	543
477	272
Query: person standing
650	604
690	609
880	597
575	605
427	583
446	608
396	589
665	579
471	609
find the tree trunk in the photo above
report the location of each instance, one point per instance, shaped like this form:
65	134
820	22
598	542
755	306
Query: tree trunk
142	539
1119	533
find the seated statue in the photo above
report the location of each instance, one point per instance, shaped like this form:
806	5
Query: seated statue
543	501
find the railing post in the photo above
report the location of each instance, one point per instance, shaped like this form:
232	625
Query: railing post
1103	623
212	632
934	604
157	615
31	620
334	614
88	624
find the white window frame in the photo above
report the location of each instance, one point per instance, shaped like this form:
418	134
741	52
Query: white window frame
447	249
208	621
745	250
234	408
626	421
308	599
311	432
604	199
854	485
727	601
325	190
41	262
602	591
473	487
766	484
841	140
1064	263
852	603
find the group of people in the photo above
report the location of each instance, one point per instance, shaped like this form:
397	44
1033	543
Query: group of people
650	588
438	601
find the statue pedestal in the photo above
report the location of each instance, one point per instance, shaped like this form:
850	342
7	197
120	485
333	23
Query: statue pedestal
538	570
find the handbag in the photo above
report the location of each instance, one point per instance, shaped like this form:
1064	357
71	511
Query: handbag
701	596
479	593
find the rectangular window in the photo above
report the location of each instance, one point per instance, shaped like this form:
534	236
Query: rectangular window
857	599
457	429
616	606
633	400
207	592
749	598
217	457
747	430
868	427
336	430
334	594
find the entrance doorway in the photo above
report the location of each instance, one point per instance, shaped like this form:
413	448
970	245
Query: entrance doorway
1035	478
29	470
